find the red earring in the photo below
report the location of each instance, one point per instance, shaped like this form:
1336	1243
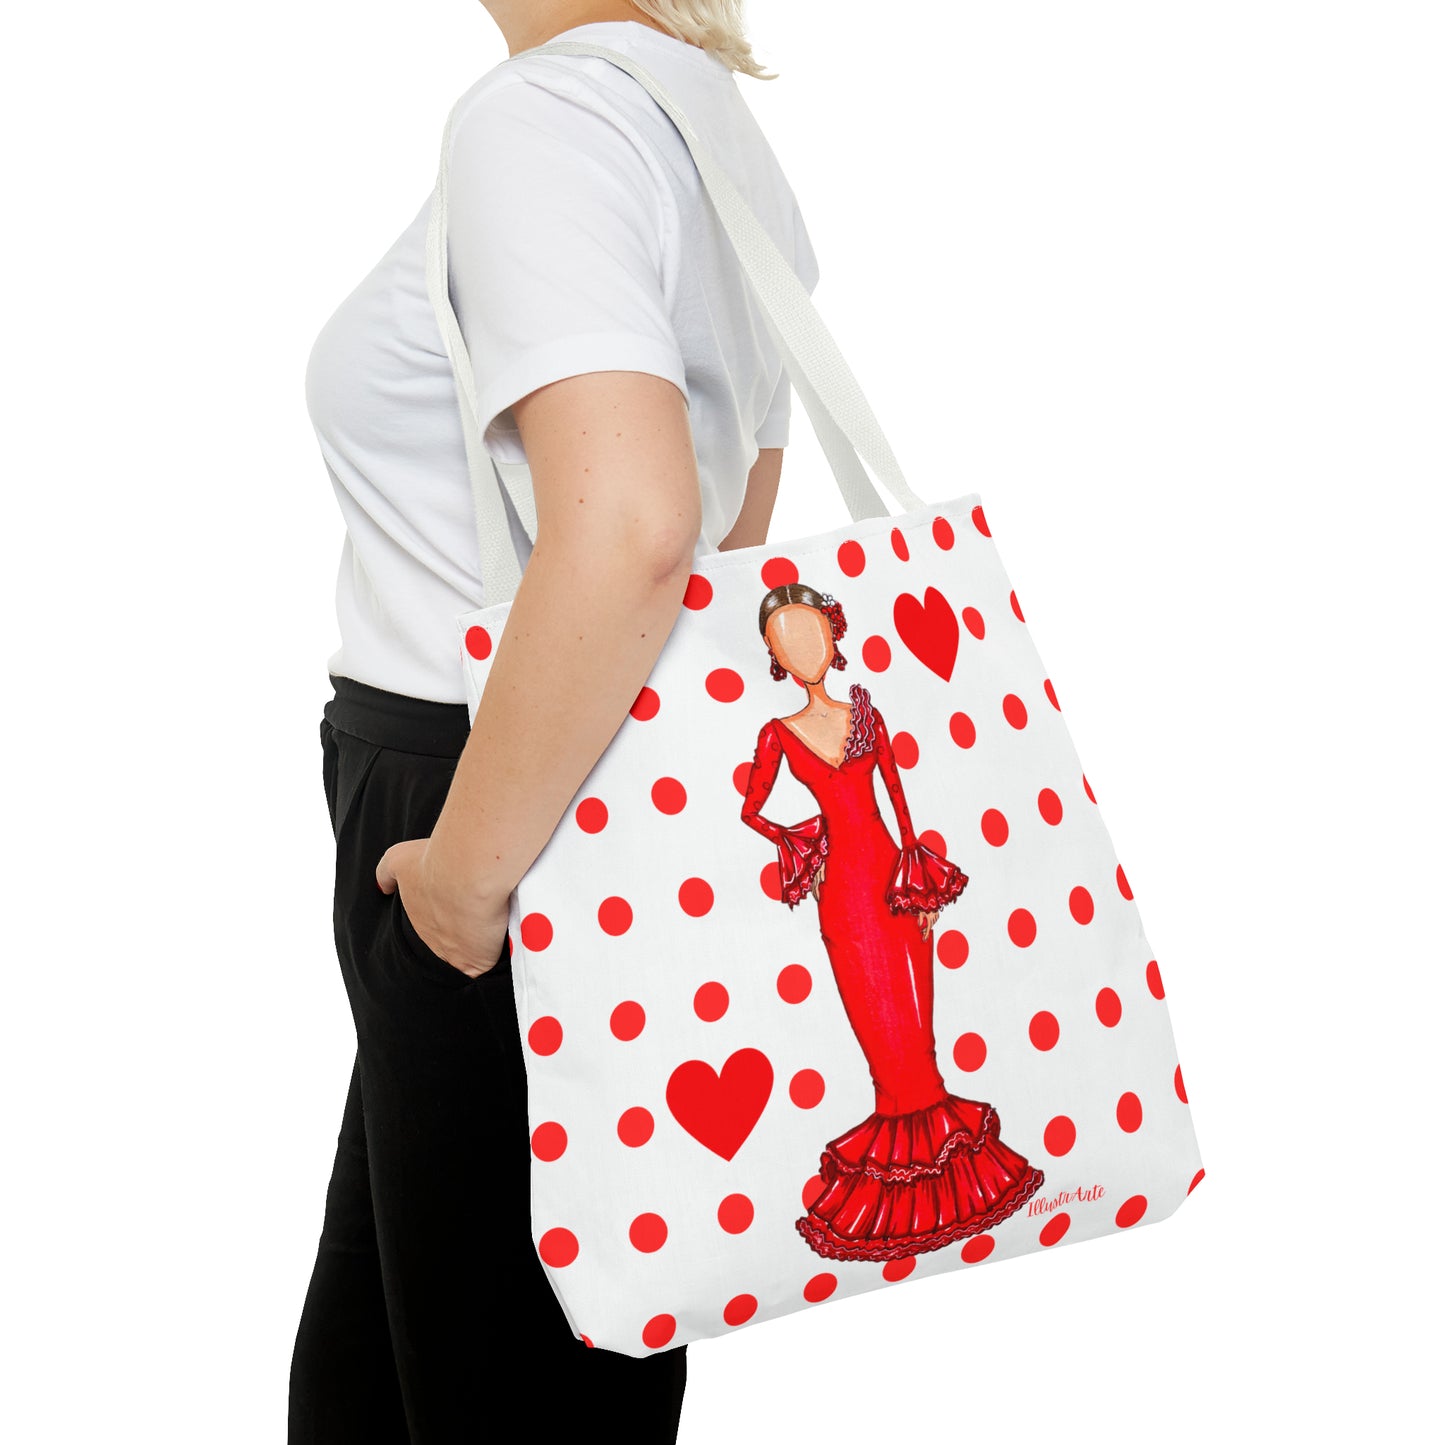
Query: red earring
775	668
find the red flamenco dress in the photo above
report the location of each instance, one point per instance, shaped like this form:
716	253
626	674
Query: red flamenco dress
926	1168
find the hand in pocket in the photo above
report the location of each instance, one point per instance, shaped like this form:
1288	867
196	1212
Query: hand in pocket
468	931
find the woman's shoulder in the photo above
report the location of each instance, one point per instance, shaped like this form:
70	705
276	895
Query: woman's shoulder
536	95
571	96
862	700
866	720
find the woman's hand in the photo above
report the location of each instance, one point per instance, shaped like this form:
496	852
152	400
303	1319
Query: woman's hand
465	928
818	878
926	922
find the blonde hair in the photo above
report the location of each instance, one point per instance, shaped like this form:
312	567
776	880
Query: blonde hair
716	25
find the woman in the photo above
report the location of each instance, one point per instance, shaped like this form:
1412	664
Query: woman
619	353
926	1168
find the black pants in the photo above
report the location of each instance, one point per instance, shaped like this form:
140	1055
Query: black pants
429	1319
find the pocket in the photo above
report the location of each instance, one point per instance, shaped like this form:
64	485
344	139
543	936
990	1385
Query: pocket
416	948
346	764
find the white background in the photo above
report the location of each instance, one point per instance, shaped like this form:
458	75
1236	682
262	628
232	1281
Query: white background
1161	281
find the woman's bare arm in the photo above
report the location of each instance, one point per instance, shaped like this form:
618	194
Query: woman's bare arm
618	517
751	527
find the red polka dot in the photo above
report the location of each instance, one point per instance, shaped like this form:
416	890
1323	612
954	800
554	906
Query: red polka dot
1131	1211
1129	1112
669	796
591	815
932	839
635	1127
1043	1030
851	559
536	932
648	1233
969	1052
811	1190
973	620
1179	1085
1154	978
877	654
1051	808
739	1309
806	1089
695	897
1081	904
646	706
1123	882
658	1331
710	1002
795	983
586	1340
1054	1230
978	1249
819	1288
771	881
735	1213
479	643
1022	929
724	685
1087	788
1108	1007
942	533
1052	696
1059	1135
952	949
905	750
699	592
1014	710
627	1020
900	545
962	730
545	1036
897	1269
779	572
1013	601
614	916
741	774
979	522
558	1248
549	1142
1194	1182
995	827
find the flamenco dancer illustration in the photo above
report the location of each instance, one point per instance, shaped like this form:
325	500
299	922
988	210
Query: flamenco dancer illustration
926	1168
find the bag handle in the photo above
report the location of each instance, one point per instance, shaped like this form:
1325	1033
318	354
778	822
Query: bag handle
845	424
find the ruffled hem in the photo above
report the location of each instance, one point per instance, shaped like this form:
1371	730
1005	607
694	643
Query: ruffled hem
906	1184
924	881
801	850
822	1241
894	1148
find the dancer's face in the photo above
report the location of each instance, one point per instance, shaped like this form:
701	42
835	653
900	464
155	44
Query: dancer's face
802	640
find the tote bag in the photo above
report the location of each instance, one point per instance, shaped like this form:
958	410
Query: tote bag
808	1015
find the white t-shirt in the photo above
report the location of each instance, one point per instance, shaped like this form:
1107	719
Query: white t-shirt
580	240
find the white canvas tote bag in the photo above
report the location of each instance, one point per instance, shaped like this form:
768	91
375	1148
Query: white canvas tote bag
814	1007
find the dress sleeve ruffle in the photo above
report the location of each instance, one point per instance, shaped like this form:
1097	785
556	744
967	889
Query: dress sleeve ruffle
801	850
924	881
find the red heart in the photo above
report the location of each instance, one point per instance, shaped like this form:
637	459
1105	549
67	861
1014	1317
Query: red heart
720	1110
929	630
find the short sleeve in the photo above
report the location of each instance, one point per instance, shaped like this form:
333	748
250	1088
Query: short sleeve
558	232
775	426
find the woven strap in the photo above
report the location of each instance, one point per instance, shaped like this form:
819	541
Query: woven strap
846	427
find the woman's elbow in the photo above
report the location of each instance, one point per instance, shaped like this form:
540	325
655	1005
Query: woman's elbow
661	549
